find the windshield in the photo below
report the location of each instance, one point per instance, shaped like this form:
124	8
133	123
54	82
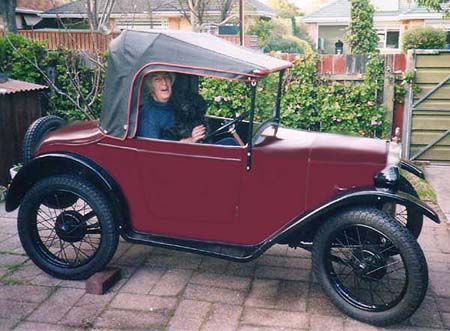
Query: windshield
227	98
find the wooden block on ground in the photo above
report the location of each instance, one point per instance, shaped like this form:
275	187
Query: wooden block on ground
102	281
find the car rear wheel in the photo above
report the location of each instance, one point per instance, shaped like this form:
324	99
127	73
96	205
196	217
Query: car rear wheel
351	260
67	242
409	217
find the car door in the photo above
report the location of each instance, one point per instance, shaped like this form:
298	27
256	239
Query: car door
190	190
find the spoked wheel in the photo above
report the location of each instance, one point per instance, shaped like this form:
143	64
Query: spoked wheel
409	217
68	242
353	263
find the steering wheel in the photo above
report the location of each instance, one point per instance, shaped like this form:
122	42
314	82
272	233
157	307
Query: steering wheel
227	125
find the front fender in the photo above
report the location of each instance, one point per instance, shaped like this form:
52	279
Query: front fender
65	163
410	167
354	198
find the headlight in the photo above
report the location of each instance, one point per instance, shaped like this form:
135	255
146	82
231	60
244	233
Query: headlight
394	153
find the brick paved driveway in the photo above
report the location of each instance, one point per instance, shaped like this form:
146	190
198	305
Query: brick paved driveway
166	290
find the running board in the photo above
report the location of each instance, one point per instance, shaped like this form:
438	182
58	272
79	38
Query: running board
236	253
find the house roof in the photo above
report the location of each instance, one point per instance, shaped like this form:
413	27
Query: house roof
122	7
12	86
37	5
340	11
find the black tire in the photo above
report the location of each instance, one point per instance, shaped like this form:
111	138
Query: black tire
352	264
410	217
68	243
36	132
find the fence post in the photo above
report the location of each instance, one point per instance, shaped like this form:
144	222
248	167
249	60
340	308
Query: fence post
389	92
407	114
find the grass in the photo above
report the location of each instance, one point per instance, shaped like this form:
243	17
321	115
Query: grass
5	280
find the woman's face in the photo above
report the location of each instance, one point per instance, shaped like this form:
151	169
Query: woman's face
161	87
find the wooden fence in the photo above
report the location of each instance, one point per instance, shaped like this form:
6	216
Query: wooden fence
91	41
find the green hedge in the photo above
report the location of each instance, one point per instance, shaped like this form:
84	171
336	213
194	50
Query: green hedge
424	38
309	101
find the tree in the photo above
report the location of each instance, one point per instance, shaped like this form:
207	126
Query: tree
363	37
284	8
8	11
439	5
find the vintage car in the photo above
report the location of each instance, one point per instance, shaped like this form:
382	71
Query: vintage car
343	198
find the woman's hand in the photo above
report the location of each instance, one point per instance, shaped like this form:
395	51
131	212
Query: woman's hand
198	133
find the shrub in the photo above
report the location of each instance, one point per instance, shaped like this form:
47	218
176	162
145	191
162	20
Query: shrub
66	71
283	45
424	38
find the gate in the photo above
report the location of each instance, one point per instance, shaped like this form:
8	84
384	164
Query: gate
426	127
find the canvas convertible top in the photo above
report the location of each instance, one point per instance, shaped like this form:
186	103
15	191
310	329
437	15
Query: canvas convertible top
136	53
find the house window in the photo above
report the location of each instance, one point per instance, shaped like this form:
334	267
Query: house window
389	39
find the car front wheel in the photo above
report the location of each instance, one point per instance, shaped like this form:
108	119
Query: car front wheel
352	260
68	242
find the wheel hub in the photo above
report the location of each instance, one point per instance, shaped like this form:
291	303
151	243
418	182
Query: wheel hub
70	226
369	264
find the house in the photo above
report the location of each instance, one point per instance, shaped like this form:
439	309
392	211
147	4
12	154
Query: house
27	11
154	14
392	18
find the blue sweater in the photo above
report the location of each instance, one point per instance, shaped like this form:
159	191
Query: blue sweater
153	118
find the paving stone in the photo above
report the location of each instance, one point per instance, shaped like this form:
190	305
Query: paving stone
322	322
172	283
7	324
223	318
189	315
55	307
275	318
320	304
299	252
214	294
282	273
131	320
81	317
293	296
427	315
143	302
244	327
11	245
284	261
9	260
177	260
25	293
32	326
279	250
264	293
439	284
443	304
352	325
143	280
214	265
16	310
134	256
241	269
31	274
222	281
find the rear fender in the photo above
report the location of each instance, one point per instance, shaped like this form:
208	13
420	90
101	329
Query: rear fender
65	163
310	221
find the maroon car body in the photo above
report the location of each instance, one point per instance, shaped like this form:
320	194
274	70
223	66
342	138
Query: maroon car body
216	198
341	197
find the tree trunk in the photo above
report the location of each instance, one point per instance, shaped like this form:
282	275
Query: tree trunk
8	9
